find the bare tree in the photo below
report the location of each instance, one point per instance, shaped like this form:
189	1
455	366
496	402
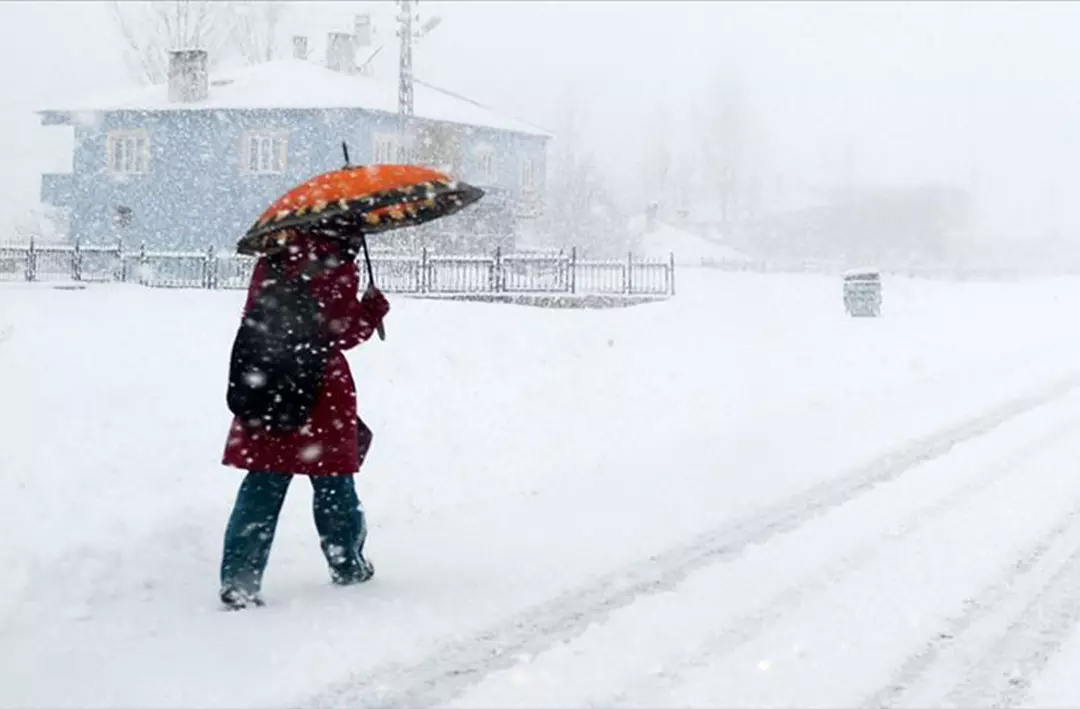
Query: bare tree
727	153
659	161
581	210
255	28
151	29
225	29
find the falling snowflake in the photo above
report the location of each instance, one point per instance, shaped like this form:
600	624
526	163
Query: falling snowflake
336	553
311	453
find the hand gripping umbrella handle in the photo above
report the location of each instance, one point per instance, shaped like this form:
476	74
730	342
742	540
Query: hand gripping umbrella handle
371	281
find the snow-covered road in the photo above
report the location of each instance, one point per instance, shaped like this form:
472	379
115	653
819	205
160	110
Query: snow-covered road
943	574
740	497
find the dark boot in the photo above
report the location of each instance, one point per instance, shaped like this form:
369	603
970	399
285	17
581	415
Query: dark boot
342	527
351	574
234	599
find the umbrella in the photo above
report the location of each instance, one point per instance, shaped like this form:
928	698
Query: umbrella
357	200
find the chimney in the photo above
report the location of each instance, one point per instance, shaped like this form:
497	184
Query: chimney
362	32
341	52
299	47
188	78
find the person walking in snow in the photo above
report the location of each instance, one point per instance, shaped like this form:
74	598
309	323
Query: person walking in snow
307	423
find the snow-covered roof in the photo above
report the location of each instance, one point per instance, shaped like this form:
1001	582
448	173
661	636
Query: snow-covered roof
689	248
299	84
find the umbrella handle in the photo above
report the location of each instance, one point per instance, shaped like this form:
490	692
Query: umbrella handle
371	280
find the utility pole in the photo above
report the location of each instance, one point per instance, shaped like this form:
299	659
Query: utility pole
409	33
405	63
405	76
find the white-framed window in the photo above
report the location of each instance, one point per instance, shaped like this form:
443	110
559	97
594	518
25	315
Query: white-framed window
389	148
486	171
264	152
128	152
530	174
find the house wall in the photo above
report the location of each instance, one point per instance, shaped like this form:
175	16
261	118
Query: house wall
195	192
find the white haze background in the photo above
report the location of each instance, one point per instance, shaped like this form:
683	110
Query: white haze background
982	96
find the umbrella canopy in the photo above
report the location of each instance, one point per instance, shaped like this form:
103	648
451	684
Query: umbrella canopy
362	199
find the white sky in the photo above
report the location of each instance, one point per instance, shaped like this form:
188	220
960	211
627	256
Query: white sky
984	94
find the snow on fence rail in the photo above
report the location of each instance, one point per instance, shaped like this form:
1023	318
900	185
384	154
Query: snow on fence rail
424	273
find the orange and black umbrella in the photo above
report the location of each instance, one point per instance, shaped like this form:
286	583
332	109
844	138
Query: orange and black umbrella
359	200
355	201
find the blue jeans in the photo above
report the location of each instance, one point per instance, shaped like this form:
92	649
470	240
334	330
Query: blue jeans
339	518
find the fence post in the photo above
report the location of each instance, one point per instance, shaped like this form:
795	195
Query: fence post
671	274
208	268
573	270
629	272
120	270
76	262
496	270
425	276
142	264
31	261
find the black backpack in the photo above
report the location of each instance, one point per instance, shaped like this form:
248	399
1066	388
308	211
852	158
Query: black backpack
279	355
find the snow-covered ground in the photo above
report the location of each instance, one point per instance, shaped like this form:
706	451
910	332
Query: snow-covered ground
740	497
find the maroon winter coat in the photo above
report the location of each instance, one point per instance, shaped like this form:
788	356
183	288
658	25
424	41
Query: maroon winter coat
327	445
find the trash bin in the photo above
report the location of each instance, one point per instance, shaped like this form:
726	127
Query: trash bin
862	293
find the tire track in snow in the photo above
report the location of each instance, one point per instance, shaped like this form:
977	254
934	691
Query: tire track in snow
1004	675
655	690
985	604
452	668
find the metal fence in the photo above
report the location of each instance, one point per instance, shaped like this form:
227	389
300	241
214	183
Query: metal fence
423	273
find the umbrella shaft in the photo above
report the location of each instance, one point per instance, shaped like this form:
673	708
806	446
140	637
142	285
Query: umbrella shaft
371	280
367	262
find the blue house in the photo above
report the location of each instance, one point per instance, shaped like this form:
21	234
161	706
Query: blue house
195	162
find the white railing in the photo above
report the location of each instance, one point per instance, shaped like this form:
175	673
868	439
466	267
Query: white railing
422	273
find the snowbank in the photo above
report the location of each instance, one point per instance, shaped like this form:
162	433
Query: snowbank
690	249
